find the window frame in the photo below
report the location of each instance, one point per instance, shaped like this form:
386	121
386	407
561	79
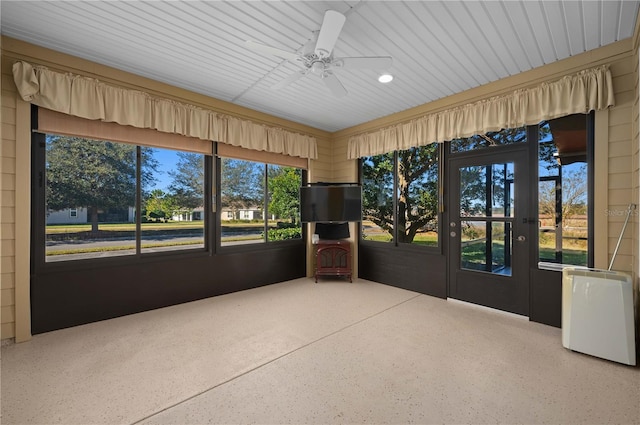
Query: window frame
38	220
535	178
257	245
211	213
394	243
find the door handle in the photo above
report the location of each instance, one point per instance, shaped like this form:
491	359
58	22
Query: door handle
521	238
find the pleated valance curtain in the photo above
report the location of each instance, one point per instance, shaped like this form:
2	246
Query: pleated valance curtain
588	90
91	99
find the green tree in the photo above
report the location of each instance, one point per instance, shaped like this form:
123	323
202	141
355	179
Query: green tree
160	205
187	186
242	184
284	190
417	190
377	190
93	174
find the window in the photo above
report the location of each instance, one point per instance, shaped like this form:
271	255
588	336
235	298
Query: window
258	202
111	185
377	197
563	191
173	200
400	196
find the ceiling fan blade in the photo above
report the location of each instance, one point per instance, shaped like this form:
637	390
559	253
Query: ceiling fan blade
334	85
371	62
329	32
288	80
263	48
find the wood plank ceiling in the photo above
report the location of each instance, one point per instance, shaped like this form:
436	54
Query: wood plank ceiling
439	48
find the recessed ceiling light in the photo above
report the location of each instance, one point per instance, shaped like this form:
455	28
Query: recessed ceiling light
385	78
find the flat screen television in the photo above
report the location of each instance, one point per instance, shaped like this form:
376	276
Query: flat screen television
330	203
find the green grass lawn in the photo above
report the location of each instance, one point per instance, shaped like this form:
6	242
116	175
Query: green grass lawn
122	227
121	247
472	255
425	239
475	253
569	256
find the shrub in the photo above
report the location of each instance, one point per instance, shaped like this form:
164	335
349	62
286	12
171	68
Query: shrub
284	234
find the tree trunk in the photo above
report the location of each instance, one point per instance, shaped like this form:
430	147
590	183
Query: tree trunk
94	221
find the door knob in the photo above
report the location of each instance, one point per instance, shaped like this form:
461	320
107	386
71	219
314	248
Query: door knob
521	238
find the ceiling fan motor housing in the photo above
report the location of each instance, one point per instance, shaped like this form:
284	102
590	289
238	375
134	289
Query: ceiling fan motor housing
317	57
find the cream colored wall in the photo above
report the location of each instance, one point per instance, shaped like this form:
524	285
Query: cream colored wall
620	171
7	209
15	160
635	167
14	212
320	170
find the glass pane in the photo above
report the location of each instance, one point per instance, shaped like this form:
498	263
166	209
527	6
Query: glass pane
547	222
486	246
242	194
173	200
90	198
499	138
284	203
487	191
377	198
418	195
563	192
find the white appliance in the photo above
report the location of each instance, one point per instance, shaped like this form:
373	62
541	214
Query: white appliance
597	314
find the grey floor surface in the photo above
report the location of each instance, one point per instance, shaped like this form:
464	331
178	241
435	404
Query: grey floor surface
299	352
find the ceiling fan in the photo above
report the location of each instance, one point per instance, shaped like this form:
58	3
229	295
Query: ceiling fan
316	57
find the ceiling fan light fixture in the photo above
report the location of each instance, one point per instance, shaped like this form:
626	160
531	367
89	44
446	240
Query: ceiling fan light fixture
385	78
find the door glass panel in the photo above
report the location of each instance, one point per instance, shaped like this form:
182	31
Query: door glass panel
487	191
486	246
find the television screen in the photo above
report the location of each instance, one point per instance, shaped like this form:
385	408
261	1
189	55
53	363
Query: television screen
330	203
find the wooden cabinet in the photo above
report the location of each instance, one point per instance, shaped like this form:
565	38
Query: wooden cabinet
333	258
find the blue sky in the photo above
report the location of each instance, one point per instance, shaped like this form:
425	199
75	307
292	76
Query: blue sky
167	160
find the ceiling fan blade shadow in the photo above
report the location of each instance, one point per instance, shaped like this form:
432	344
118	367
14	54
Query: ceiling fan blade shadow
371	62
334	85
329	32
263	48
288	80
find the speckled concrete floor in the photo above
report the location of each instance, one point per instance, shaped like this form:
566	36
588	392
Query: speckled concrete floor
299	352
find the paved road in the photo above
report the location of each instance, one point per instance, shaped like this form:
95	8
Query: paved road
53	246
